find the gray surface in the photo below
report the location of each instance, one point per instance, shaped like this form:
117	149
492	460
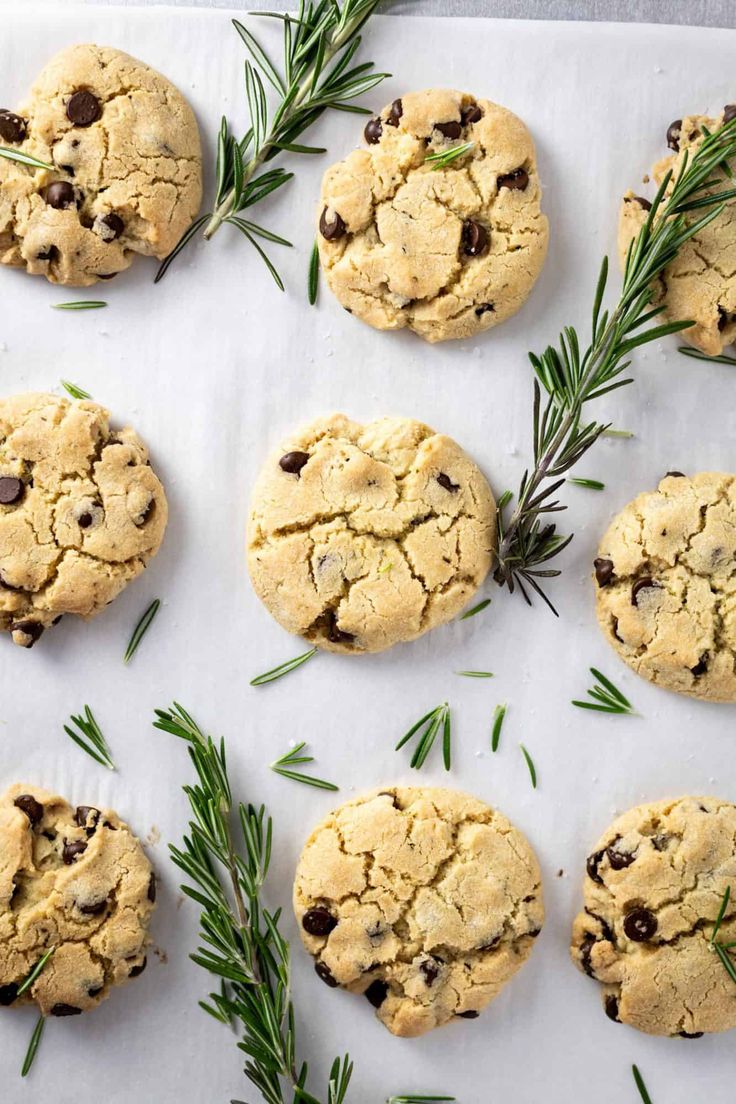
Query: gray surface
711	13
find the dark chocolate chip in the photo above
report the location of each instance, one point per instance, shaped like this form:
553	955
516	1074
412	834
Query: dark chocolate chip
8	994
723	319
84	521
729	113
449	130
611	1007
646	583
152	888
83	108
483	309
50	254
701	666
60	195
93	910
331	228
430	969
471	114
86	816
334	633
643	203
106	275
72	850
516	180
32	808
136	971
620	860
675	474
445	481
640	925
95	991
376	993
65	1010
31	629
395	112
661	841
603	571
585	948
592	865
373	131
324	974
11	490
114	223
674	131
319	921
691	1034
12	127
469	1015
475	238
293	462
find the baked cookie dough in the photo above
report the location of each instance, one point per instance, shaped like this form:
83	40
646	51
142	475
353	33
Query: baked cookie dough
363	536
449	251
654	886
127	168
700	284
666	585
75	880
81	511
424	900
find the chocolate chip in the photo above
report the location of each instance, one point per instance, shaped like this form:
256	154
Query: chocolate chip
60	195
334	633
446	482
674	130
86	816
84	521
516	180
50	254
585	948
661	841
471	114
65	1010
723	319
95	991
376	993
395	113
319	921
611	1006
483	309
603	571
592	865
701	666
430	969
12	127
93	910
325	974
619	860
83	108
72	850
8	994
293	462
646	583
30	629
136	971
675	474
5	585
643	203
475	238
11	490
469	1015
32	808
373	131
114	224
152	888
689	1034
729	113
449	130
640	925
331	228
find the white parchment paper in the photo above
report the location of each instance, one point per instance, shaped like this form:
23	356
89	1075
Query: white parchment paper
213	366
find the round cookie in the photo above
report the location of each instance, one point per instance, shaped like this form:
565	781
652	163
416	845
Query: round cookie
700	284
76	881
447	251
81	511
654	886
361	537
425	900
127	168
666	585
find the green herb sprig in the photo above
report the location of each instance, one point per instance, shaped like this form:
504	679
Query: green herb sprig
33	1046
499	716
283	669
429	727
639	1082
589	484
607	698
723	950
141	629
476	609
476	674
80	304
24	159
35	972
293	758
530	764
74	391
319	45
698	354
442	158
89	738
313	275
575	374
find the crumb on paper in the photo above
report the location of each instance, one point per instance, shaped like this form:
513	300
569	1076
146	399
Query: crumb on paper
154	836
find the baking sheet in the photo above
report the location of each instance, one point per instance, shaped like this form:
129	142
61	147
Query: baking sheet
213	367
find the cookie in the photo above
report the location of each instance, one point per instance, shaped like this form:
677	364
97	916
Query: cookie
666	585
81	511
424	900
653	890
700	283
127	168
447	251
363	536
76	881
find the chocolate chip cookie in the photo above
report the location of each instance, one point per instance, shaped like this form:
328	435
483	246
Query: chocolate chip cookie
81	511
666	585
448	249
700	283
653	890
126	168
363	536
75	881
424	900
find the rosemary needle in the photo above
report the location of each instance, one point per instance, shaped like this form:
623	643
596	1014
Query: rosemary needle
74	391
476	674
696	354
607	698
313	279
476	609
530	765
499	715
624	434
283	669
35	972
639	1080
591	484
722	949
412	1098
90	739
80	304
721	914
141	629
24	158
429	727
292	758
441	158
33	1046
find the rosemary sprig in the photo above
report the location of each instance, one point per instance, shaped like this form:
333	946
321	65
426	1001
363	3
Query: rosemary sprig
412	1098
428	728
74	391
141	629
499	715
530	765
476	674
33	1046
723	949
572	376
442	158
90	738
282	669
80	304
476	609
591	484
292	758
35	972
24	158
697	354
319	45
639	1081
313	276
607	698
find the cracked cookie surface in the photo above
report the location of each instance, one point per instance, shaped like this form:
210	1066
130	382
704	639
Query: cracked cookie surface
427	901
666	585
653	890
81	511
75	880
127	168
364	536
448	252
700	283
